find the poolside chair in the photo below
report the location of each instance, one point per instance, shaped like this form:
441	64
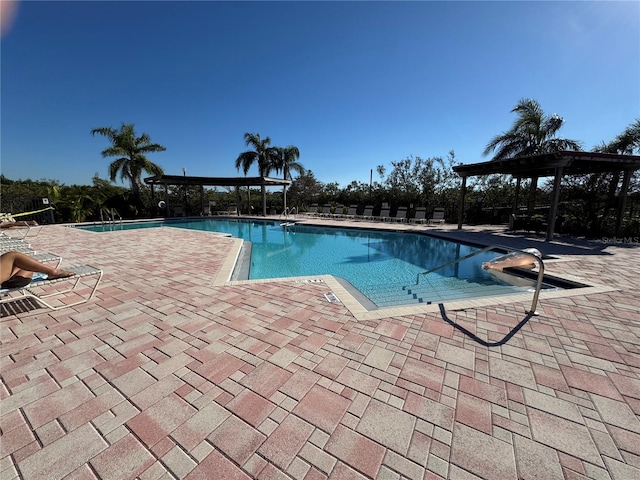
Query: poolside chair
367	214
178	212
10	243
326	210
420	216
438	216
352	212
210	209
401	215
18	228
384	214
313	210
39	289
338	212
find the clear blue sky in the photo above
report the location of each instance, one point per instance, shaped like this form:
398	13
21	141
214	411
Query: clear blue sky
352	84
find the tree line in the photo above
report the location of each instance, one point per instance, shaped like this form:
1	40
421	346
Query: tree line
587	201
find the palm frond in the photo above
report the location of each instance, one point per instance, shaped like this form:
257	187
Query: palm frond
532	133
245	160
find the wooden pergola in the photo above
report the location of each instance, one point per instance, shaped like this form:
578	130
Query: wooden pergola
236	182
555	165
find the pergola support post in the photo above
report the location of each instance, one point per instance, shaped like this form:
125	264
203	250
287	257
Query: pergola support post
553	211
463	194
622	205
202	200
532	195
166	200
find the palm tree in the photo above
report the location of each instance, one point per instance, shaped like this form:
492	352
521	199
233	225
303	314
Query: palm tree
131	151
265	155
286	162
532	133
626	143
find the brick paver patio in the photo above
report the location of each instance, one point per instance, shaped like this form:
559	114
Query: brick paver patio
172	373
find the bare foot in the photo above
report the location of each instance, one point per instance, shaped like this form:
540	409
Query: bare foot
60	274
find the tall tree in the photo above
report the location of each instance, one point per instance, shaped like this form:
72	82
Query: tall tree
262	153
532	133
131	152
628	142
286	162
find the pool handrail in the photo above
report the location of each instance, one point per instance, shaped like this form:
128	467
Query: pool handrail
536	294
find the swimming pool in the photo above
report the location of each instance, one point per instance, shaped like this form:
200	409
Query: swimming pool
383	266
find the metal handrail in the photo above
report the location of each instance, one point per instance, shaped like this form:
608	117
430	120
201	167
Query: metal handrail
114	212
103	212
111	216
289	211
496	247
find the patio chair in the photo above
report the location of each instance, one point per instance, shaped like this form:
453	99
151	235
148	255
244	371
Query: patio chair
38	289
438	216
420	216
8	242
178	212
326	210
338	213
367	214
313	210
352	212
384	214
18	228
401	215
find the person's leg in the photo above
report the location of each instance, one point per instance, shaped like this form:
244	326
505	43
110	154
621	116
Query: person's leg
16	263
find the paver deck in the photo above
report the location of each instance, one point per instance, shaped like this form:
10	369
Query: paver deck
171	372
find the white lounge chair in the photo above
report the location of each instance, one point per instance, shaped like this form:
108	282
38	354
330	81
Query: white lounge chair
178	212
438	216
338	213
39	289
384	214
18	228
326	210
352	212
401	215
313	210
420	216
367	214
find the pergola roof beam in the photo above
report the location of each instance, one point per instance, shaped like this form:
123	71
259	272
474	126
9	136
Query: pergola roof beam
216	181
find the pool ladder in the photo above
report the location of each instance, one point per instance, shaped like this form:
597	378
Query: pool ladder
111	214
536	294
293	211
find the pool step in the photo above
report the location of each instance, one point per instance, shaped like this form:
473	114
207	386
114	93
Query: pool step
445	289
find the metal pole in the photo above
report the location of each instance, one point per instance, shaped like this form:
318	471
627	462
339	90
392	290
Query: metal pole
554	204
463	194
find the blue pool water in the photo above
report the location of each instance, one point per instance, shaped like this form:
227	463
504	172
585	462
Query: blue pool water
382	265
